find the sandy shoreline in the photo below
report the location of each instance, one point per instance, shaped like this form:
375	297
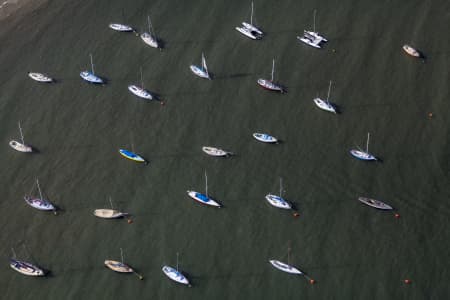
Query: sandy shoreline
12	8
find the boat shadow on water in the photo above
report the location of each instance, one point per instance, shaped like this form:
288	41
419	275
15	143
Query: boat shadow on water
232	76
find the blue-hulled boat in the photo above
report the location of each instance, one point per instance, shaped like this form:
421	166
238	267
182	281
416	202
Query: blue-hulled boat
90	75
132	156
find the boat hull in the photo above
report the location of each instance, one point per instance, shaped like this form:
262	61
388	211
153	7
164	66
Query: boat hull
120	27
411	51
149	40
40	204
175	275
140	92
362	155
202	198
248	33
324	105
265	138
105	213
40	77
285	267
375	203
118	266
20	147
199	72
278	201
310	42
269	85
26	268
212	151
132	156
90	77
252	28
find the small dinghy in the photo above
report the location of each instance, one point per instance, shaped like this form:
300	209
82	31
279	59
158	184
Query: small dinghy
215	151
201	71
411	51
90	76
120	27
132	156
325	104
149	37
39	203
175	275
269	84
363	155
20	146
40	77
375	203
265	138
285	267
25	268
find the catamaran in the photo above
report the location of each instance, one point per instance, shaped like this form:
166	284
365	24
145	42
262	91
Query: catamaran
20	146
39	203
175	275
132	156
90	76
265	138
212	151
106	213
40	77
325	104
120	27
203	198
269	84
201	71
150	37
375	203
277	200
250	30
25	268
363	155
411	51
312	38
140	91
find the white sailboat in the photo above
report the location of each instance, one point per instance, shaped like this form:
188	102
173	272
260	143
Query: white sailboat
265	138
375	203
175	275
120	27
213	151
285	267
120	266
20	146
201	71
325	104
24	267
139	90
106	213
40	77
203	198
277	200
312	38
150	37
39	203
90	75
250	30
269	84
363	155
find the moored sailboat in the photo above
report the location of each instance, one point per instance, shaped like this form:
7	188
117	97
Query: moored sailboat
90	76
20	146
363	155
149	37
201	71
203	198
325	104
175	274
39	203
250	30
269	84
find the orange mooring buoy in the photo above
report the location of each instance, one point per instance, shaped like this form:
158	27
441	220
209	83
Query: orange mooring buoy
312	281
407	281
163	103
296	214
430	115
129	221
397	215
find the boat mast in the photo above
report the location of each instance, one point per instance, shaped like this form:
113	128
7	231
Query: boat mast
281	187
314	21
289	253
21	135
121	254
177	261
92	64
206	184
251	16
273	68
367	145
142	80
39	189
110	202
14	253
329	89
